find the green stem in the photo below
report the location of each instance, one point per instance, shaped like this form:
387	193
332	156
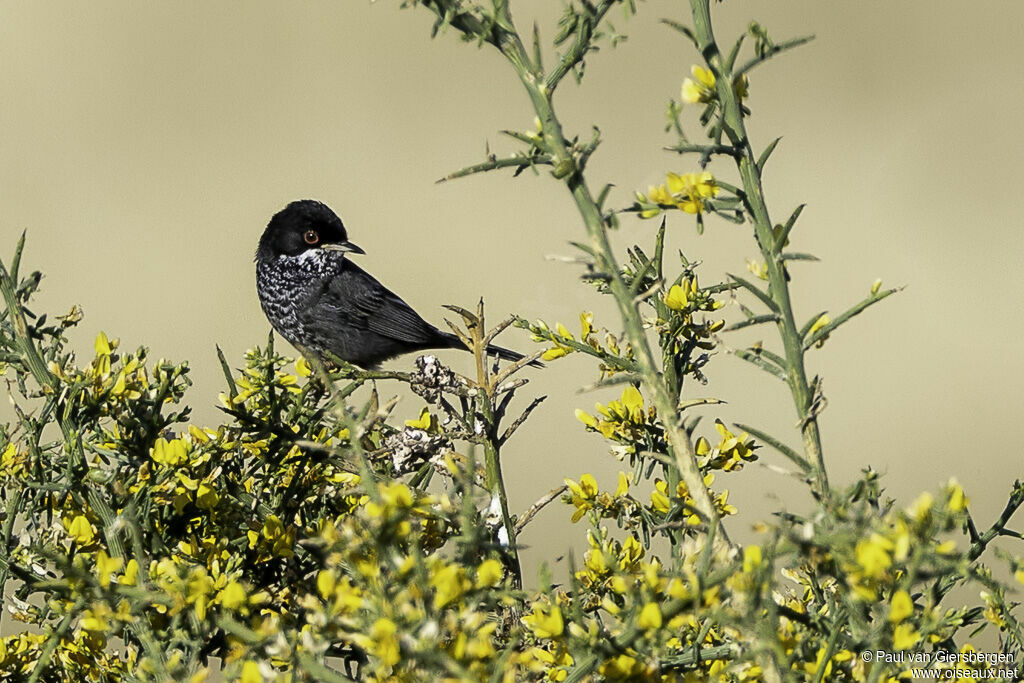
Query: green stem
11	513
496	487
493	479
735	130
568	167
72	439
679	443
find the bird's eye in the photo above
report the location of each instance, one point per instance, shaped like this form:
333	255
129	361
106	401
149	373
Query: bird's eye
311	237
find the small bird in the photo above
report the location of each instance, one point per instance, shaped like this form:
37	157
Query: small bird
321	302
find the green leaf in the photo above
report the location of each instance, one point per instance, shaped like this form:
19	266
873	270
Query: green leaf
810	323
683	405
722	287
763	159
659	248
520	161
771	52
734	52
16	261
753	320
782	448
585	248
761	362
538	62
756	291
825	330
773	357
684	29
527	138
780	242
226	369
798	256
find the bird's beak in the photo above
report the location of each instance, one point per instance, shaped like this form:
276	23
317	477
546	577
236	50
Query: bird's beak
344	247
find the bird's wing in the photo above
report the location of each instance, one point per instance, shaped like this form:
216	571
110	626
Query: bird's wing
356	297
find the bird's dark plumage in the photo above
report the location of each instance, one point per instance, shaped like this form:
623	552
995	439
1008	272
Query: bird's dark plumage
321	302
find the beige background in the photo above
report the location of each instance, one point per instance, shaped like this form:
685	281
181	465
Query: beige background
145	145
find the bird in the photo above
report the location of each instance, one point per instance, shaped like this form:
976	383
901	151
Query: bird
325	305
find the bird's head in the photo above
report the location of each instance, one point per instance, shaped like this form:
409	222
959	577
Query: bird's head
304	226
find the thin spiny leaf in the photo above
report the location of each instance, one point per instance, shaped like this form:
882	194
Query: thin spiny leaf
782	448
825	330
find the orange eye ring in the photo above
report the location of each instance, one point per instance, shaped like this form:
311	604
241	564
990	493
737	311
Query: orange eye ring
311	237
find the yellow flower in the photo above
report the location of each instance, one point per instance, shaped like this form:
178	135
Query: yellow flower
900	607
545	621
280	538
821	322
397	495
250	673
95	619
106	566
559	349
751	558
81	530
200	586
758	269
232	596
587	488
449	585
690	189
659	497
198	434
958	501
555	352
633	402
702	89
631	553
325	582
658	196
921	508
131	572
650	617
623	486
678	589
594	561
741	86
586	324
905	637
873	555
586	418
582	494
102	345
426	422
488	573
677	299
901	541
385	642
302	368
623	667
169	453
206	496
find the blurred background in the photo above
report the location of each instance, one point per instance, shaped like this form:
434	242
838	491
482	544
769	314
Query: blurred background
144	146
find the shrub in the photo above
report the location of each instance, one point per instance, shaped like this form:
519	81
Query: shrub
308	537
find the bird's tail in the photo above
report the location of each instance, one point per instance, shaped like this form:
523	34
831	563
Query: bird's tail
492	349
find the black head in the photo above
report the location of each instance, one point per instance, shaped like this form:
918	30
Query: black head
301	226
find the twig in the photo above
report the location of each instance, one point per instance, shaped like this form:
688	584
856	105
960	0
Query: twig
541	503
